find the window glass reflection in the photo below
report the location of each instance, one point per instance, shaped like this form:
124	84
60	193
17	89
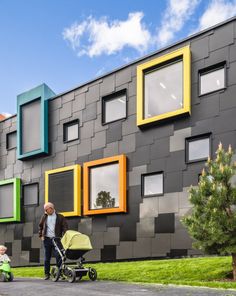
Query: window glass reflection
153	184
163	90
104	186
115	108
212	81
72	132
199	149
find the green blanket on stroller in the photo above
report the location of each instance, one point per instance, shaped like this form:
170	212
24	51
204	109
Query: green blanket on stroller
74	240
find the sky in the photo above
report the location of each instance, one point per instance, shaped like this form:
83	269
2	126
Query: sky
65	43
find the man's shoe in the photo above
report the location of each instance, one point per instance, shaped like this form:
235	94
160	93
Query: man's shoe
47	276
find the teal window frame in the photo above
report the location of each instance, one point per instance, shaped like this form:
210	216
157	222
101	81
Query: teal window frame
16	200
42	93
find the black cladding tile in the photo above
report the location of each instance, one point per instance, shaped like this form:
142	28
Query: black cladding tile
34	255
18	231
26	244
142	155
177	253
9	248
173	182
165	223
99	223
108	253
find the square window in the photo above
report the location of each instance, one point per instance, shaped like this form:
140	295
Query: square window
212	79
10	200
62	188
11	140
105	185
71	131
152	184
114	107
198	148
30	194
163	87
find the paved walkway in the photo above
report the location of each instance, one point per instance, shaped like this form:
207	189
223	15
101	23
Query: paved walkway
33	287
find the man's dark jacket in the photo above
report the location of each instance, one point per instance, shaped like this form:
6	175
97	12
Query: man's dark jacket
61	225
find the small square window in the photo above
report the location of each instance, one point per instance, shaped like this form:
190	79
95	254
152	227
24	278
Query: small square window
152	184
71	131
212	79
198	148
11	140
105	185
114	107
163	87
30	194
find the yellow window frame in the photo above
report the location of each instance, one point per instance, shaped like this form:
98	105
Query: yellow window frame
183	52
121	160
77	188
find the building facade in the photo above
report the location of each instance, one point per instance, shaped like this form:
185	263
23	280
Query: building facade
117	155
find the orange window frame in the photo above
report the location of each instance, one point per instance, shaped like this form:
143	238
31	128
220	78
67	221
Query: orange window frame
121	160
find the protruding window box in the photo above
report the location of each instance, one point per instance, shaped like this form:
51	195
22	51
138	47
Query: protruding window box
105	185
63	189
32	122
163	87
10	195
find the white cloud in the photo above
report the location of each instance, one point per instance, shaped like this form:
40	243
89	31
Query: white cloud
216	12
174	18
104	37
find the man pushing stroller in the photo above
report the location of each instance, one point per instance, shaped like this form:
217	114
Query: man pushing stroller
52	224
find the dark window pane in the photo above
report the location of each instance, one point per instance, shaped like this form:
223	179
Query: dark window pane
30	194
6	201
163	90
153	184
115	108
61	190
11	140
104	186
212	81
31	131
199	149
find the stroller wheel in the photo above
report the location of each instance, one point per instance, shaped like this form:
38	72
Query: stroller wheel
3	277
11	277
55	274
71	275
92	274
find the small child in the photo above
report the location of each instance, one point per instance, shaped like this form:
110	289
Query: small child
3	256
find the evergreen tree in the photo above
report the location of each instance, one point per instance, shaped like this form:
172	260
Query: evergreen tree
212	222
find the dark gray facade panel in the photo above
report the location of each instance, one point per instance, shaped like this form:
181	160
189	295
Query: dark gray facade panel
200	48
114	132
223	36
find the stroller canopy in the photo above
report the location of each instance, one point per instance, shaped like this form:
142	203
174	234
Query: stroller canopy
74	240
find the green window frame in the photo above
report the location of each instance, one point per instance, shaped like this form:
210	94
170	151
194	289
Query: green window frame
16	198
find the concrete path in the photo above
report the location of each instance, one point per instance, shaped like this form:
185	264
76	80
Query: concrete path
33	287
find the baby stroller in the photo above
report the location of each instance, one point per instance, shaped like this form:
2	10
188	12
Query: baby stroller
73	246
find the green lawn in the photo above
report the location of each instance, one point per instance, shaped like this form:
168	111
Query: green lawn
207	271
